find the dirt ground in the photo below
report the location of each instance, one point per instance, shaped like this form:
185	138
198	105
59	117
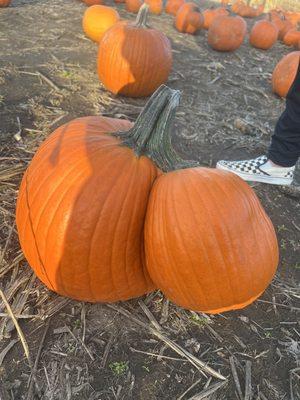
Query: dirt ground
101	352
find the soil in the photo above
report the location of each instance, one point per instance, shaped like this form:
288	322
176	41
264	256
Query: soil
85	351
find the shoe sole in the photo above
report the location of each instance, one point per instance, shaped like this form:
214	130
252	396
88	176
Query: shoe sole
263	179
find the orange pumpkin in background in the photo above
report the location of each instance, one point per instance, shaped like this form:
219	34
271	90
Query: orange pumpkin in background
5	3
133	5
172	6
199	250
292	38
284	73
210	14
93	2
227	33
97	20
155	6
133	59
263	35
189	18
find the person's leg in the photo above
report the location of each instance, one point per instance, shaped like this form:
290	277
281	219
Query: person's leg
285	144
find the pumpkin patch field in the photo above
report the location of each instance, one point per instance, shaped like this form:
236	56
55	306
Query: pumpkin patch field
130	268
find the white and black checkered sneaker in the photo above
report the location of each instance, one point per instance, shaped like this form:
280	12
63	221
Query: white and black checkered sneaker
259	170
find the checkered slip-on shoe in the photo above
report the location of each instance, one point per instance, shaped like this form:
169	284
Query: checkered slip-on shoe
258	170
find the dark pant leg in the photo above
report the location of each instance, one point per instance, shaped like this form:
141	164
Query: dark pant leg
285	144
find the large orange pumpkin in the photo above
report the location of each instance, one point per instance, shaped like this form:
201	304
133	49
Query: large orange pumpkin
263	35
227	33
133	59
189	18
284	73
93	2
133	5
210	14
292	38
155	6
97	20
5	3
210	246
83	200
172	6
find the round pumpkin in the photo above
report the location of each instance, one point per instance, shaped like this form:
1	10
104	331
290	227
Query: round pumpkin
155	6
133	5
211	14
209	244
83	200
263	34
93	2
284	73
134	60
97	20
189	18
172	6
292	38
5	3
227	33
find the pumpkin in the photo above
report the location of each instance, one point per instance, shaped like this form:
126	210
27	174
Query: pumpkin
283	24
210	14
284	73
227	33
172	6
246	11
237	5
93	2
263	34
133	5
5	3
294	17
97	20
209	244
189	18
292	38
83	200
155	6
134	60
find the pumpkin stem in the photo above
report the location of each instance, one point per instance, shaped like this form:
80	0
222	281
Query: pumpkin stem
141	18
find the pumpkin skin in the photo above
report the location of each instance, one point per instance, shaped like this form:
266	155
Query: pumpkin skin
284	73
134	60
97	20
292	38
155	6
5	3
263	35
227	33
210	246
93	2
133	6
172	6
189	19
211	14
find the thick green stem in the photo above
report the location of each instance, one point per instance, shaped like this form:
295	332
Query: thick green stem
152	132
141	18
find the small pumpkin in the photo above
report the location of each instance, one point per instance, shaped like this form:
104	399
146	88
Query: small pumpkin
155	6
210	246
97	20
133	5
247	11
5	3
263	35
133	59
83	200
227	33
210	14
172	6
284	73
292	38
189	18
93	2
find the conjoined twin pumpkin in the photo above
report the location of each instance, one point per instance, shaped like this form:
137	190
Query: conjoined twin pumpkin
108	211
